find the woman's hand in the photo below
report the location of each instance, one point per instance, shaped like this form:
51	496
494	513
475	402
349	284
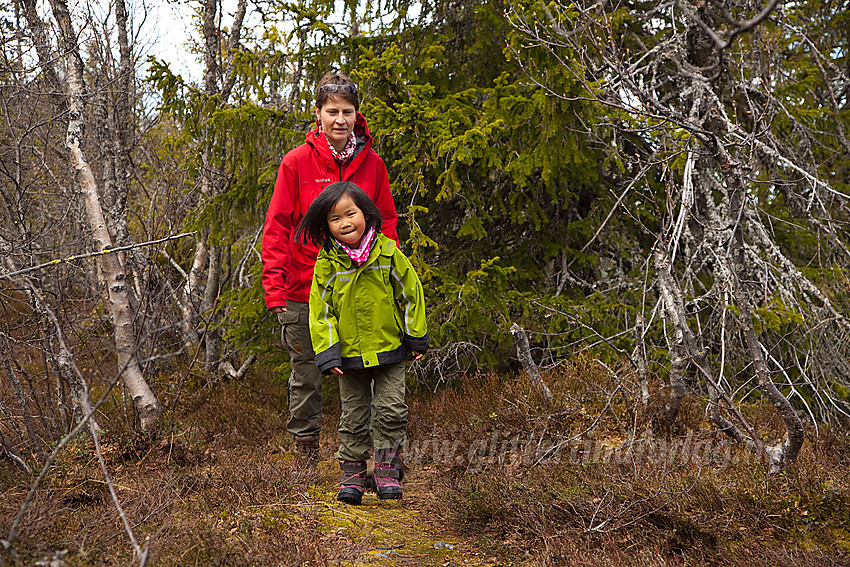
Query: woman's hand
418	355
336	370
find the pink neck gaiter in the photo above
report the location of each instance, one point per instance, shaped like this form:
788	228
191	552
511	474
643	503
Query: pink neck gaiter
361	253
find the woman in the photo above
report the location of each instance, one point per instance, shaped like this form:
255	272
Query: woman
339	149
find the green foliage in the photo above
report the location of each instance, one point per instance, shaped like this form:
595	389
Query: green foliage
511	192
250	325
475	309
502	169
777	317
497	178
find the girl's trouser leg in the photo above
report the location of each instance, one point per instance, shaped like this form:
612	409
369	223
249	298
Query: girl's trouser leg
355	396
389	429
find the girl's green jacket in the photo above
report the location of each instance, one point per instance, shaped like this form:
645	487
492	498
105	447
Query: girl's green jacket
367	315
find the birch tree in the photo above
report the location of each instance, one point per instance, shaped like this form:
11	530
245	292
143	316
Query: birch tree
117	294
200	291
233	127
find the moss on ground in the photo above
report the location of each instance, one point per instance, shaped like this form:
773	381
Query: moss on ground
389	532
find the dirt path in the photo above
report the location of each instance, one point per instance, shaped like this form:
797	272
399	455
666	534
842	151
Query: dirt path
389	532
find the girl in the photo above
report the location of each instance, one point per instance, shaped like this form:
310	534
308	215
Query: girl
367	313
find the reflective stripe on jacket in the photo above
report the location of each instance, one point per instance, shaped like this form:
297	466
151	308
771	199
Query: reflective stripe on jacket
367	315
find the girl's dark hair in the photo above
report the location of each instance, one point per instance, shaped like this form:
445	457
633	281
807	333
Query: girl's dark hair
344	89
314	225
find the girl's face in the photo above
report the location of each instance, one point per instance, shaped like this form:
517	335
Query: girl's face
336	118
347	222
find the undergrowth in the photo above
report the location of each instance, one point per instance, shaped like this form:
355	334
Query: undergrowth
582	479
616	493
215	487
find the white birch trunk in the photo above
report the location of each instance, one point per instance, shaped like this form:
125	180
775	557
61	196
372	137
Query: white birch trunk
190	302
117	296
209	308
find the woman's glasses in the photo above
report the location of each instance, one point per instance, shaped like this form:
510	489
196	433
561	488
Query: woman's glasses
331	88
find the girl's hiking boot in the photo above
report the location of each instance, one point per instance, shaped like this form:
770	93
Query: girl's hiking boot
353	482
387	474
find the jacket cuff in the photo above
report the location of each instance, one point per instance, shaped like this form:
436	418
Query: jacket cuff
419	344
329	358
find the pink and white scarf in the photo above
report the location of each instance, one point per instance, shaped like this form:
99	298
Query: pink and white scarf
361	253
347	151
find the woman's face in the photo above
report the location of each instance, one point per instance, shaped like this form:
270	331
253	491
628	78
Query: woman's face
337	117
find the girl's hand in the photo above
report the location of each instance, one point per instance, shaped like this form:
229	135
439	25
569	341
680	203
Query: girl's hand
336	370
418	355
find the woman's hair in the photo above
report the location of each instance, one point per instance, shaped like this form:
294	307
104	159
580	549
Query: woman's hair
336	85
314	225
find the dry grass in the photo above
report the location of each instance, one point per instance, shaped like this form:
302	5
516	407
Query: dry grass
491	468
217	487
685	499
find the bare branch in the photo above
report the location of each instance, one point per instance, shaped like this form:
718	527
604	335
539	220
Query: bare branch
110	250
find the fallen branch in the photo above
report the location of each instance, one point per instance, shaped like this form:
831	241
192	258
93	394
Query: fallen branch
12	452
141	554
228	369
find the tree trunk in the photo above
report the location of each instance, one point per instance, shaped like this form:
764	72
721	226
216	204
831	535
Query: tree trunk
676	374
233	43
209	308
640	358
292	103
123	135
212	47
524	353
734	263
683	346
219	79
777	456
693	348
43	48
191	302
118	301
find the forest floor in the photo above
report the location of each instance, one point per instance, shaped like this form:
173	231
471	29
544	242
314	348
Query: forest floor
391	532
494	477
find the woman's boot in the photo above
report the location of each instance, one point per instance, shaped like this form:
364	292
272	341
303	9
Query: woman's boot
387	473
353	482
